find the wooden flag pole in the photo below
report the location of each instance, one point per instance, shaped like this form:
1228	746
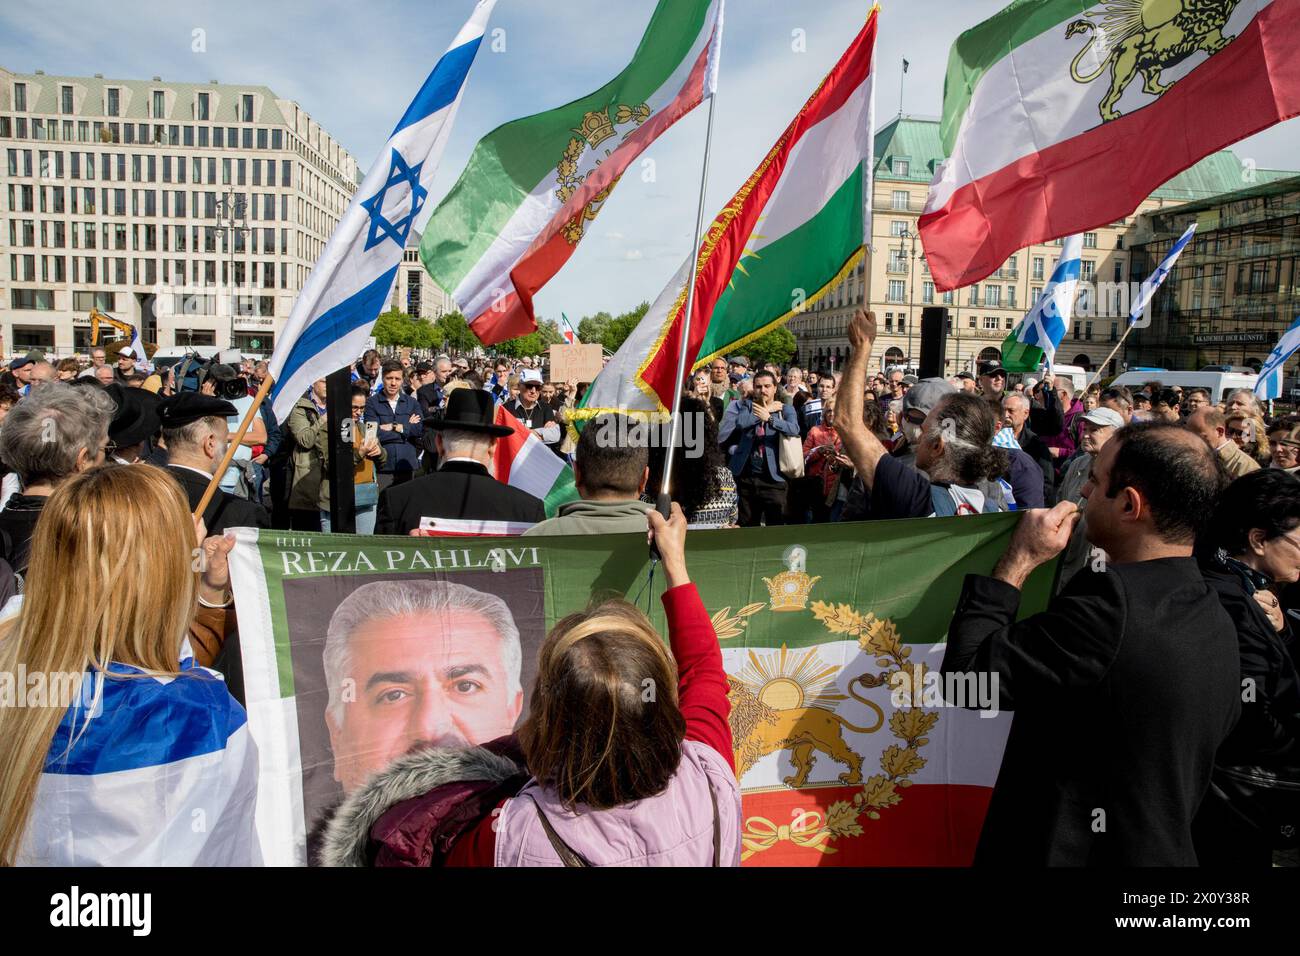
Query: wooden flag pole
233	446
1102	367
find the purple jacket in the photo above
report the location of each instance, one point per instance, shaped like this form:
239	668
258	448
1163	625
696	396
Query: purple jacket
673	828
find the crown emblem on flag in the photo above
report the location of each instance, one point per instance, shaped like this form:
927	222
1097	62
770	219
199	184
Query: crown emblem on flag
596	128
790	589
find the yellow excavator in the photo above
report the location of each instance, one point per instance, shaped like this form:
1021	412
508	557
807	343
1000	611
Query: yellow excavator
125	331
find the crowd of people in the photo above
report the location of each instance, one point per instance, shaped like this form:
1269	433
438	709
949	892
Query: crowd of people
1158	687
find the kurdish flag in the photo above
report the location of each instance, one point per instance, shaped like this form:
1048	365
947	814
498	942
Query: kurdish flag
522	460
811	192
532	186
1063	115
1039	333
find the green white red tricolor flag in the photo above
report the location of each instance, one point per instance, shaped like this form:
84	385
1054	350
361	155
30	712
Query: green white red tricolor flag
793	230
532	186
522	460
1063	115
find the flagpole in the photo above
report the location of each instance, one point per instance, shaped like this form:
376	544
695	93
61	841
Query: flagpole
233	446
664	501
1106	361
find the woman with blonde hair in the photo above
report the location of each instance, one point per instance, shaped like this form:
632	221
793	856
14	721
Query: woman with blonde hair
137	756
1251	436
625	757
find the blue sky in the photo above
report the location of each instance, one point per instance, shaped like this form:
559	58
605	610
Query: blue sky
354	67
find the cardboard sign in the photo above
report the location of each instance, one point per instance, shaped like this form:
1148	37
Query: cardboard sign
576	363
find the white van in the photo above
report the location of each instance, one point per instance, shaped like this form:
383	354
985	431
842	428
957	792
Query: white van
1077	377
1218	383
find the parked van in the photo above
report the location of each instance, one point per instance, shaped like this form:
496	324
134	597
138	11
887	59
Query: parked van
1218	383
1076	376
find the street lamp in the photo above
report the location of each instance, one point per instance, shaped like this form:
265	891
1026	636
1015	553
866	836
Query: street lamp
231	221
908	234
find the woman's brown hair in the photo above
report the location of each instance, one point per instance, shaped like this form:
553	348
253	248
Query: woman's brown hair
604	727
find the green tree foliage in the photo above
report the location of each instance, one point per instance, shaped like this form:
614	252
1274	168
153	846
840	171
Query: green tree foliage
451	331
594	328
394	328
534	343
776	346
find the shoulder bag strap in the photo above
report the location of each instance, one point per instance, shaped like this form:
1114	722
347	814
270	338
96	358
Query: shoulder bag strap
566	853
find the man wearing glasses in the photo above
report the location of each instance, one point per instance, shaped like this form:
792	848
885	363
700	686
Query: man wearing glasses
720	383
538	416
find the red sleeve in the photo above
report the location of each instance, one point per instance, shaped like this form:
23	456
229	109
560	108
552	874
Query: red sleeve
701	681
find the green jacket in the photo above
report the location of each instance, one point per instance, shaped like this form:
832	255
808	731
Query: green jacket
305	427
595	517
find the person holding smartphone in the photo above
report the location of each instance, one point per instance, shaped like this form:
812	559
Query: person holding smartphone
367	456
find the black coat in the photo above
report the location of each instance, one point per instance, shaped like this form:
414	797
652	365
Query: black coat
224	510
17	523
459	489
1123	690
1034	447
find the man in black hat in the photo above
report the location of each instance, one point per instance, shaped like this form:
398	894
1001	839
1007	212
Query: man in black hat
196	433
134	424
463	486
1045	419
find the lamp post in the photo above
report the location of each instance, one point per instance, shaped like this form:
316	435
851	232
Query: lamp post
231	221
905	235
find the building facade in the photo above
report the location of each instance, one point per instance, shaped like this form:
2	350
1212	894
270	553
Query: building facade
414	291
895	279
1235	289
193	211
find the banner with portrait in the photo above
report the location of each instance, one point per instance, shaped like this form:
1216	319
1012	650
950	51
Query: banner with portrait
357	649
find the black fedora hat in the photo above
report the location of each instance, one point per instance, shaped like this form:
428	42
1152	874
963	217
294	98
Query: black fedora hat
136	418
471	410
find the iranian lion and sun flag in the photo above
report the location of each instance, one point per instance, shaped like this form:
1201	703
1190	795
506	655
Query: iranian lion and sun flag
1059	116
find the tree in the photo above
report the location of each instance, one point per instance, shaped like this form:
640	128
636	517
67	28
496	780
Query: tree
595	327
534	343
620	328
776	347
451	331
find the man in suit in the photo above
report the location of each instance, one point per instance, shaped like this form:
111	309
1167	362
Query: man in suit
196	433
463	486
1124	688
752	427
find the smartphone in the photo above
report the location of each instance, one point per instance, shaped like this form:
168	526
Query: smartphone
372	431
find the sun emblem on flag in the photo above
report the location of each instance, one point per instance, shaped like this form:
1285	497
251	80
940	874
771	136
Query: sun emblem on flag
400	176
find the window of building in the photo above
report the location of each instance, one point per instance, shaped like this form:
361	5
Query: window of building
899	199
159	104
896	290
1090	240
65	99
114	101
948	298
974	295
246	110
889	321
202	107
20	97
1039	265
901	167
993	296
41	300
990	323
1035	293
927	293
897	228
974	322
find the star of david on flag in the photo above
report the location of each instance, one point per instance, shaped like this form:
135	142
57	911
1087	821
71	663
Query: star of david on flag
353	278
399	175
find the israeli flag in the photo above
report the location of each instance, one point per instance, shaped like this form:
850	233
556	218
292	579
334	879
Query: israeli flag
147	770
1269	384
350	283
1045	325
1154	281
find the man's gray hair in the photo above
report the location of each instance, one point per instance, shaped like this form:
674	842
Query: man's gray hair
460	443
1016	396
44	433
388	599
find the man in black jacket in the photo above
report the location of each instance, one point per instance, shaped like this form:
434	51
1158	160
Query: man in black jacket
1124	688
1016	409
462	487
195	431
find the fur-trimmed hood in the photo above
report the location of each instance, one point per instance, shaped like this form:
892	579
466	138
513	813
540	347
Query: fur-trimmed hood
347	838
